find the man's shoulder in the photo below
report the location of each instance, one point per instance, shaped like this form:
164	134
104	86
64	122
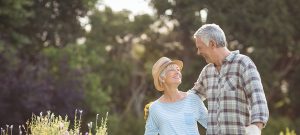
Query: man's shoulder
208	66
245	62
242	57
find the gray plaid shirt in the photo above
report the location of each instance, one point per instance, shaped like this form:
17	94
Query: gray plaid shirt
235	95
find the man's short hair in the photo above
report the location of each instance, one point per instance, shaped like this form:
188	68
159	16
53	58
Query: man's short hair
208	32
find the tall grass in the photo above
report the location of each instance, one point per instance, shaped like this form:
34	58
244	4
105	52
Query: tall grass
50	124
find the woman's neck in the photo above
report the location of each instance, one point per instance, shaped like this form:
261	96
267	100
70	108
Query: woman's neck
172	95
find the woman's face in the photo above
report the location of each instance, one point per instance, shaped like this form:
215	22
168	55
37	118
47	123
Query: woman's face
172	74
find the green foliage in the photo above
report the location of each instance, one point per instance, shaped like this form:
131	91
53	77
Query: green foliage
14	14
96	99
33	79
127	125
288	132
276	125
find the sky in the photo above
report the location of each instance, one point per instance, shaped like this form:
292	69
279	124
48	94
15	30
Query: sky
135	6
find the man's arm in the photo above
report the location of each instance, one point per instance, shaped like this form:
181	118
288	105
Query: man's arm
199	86
255	93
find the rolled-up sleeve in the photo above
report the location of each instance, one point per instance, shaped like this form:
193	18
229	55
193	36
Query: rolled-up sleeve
255	93
199	86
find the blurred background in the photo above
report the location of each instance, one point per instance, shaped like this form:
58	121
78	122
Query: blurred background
62	55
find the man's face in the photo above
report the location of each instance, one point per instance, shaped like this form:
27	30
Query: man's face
203	50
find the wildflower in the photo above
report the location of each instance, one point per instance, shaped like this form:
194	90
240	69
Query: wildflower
61	125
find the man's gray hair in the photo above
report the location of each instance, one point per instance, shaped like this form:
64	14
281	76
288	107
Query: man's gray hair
208	32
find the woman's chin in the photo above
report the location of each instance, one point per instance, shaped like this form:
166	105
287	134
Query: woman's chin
177	82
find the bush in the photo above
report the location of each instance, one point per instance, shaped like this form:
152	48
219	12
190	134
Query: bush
50	124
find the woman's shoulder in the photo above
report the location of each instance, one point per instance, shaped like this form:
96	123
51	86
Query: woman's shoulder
195	99
154	105
193	96
150	109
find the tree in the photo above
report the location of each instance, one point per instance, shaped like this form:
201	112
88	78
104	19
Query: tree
30	81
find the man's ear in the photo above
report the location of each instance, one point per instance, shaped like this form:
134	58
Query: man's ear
212	44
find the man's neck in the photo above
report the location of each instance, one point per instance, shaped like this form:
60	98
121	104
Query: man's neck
221	54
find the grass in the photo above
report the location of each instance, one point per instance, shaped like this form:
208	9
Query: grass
50	124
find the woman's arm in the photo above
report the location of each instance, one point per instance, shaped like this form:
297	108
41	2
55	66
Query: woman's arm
203	113
151	127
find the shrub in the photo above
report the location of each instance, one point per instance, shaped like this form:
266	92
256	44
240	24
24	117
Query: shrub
50	124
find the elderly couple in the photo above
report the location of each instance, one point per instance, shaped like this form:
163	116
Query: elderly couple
230	82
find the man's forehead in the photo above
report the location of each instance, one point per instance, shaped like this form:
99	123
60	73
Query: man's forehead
198	39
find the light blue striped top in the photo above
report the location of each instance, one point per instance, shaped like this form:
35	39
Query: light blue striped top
177	118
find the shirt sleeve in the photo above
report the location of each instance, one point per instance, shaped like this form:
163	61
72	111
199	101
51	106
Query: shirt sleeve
255	93
151	126
203	114
198	88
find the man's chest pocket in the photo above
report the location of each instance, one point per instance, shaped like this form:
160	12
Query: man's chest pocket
231	83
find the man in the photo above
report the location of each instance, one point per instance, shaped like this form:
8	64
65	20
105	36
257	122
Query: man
231	84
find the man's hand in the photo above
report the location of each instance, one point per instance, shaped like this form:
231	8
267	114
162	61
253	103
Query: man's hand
259	125
253	130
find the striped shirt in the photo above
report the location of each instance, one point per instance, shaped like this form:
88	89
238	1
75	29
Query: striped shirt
235	95
176	118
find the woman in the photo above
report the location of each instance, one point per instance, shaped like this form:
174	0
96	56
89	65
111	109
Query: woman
175	112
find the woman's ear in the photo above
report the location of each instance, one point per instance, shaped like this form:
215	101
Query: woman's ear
161	80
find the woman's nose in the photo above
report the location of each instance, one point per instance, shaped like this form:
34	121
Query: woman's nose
178	72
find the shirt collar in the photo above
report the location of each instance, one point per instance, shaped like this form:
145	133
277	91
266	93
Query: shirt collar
232	54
